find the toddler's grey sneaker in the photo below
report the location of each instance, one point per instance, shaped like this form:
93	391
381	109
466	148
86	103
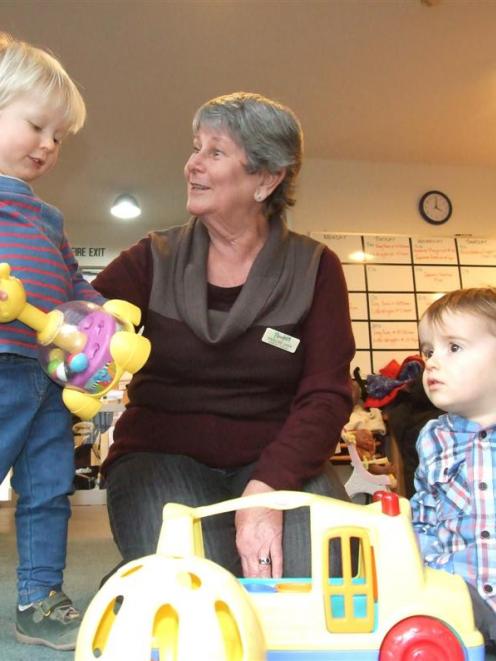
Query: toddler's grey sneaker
53	622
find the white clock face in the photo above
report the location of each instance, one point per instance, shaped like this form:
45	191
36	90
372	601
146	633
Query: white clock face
435	207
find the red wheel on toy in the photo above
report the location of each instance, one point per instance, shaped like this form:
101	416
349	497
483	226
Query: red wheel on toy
421	638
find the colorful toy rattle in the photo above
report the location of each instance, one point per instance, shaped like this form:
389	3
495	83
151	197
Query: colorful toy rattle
83	347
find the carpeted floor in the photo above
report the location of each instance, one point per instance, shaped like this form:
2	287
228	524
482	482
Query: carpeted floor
91	554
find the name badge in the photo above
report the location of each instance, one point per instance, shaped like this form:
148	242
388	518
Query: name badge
280	340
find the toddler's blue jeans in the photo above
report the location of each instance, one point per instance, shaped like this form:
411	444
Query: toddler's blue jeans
36	441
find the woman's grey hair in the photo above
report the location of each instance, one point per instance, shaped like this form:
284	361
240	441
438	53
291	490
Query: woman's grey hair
25	69
270	134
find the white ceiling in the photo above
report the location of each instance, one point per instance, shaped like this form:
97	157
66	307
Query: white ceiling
374	80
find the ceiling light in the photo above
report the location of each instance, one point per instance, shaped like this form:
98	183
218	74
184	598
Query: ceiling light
126	206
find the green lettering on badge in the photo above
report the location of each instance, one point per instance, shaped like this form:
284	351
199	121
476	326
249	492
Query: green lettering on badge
280	340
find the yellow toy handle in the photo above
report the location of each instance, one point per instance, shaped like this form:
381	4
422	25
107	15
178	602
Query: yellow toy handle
13	296
49	326
128	313
181	533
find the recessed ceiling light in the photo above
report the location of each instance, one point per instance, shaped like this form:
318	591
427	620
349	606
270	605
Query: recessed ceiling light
126	206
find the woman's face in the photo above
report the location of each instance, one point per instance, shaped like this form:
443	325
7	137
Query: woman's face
217	181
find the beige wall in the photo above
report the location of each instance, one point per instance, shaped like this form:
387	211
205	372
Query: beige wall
352	196
345	196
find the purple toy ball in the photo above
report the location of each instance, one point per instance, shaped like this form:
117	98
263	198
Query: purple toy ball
87	329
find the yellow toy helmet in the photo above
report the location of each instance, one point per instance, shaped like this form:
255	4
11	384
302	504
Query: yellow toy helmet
171	609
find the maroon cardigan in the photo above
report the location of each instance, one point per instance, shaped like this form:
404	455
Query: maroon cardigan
242	401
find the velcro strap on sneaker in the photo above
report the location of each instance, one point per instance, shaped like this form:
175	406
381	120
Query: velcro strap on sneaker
53	601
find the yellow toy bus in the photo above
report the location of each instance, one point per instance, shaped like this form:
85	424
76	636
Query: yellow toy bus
369	596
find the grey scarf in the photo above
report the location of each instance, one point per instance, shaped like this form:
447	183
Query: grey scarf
278	291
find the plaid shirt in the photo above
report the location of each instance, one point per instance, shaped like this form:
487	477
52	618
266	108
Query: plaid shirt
453	509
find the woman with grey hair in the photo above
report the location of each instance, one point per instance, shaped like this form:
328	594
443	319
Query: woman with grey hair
247	386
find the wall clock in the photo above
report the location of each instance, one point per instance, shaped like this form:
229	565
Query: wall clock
435	207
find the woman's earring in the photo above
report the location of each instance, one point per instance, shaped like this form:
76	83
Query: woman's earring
259	196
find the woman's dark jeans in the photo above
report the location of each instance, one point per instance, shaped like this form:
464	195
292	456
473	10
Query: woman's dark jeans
140	484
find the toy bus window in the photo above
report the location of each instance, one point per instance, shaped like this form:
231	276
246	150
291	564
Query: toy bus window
336	556
349	581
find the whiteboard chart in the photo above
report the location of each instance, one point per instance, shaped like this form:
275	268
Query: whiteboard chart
392	279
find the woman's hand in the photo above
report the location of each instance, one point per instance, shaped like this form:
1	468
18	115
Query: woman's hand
259	535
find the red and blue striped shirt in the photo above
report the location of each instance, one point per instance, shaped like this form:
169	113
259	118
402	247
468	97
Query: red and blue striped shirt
33	242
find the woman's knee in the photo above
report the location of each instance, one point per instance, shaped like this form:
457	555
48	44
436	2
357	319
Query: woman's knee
327	483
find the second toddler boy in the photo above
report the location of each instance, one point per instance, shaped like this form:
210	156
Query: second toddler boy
454	507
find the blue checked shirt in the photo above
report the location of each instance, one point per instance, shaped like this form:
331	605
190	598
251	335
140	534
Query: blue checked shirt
453	509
